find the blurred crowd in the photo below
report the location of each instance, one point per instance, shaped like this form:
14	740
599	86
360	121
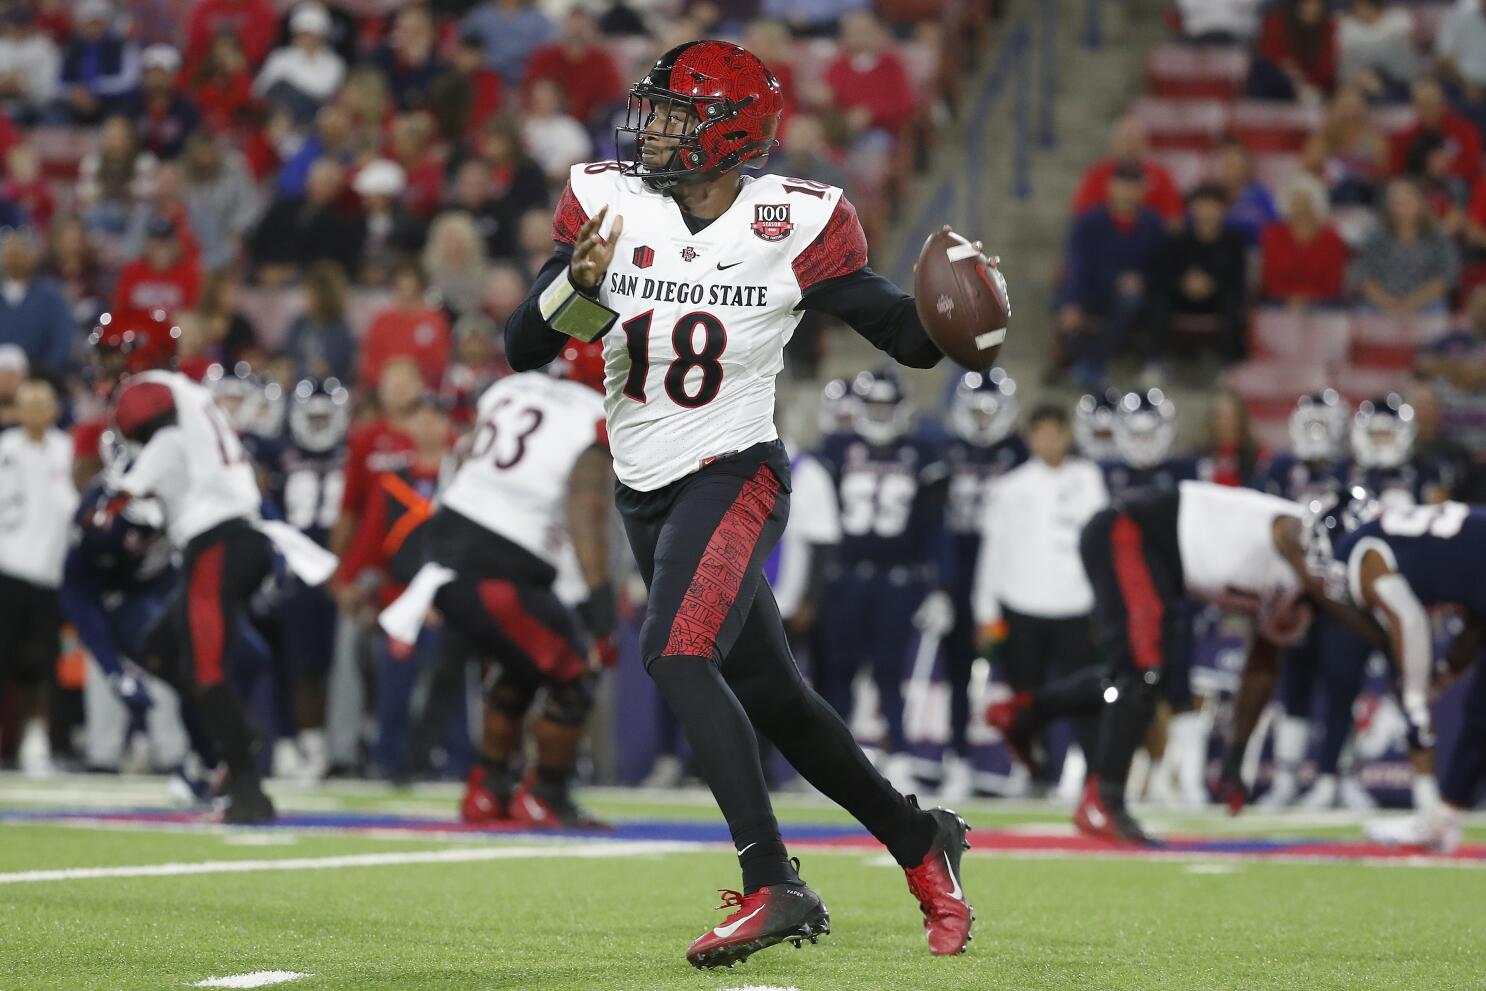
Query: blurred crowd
1291	159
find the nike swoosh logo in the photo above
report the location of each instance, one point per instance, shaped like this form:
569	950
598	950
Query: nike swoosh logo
727	930
1096	818
723	268
956	894
747	848
533	809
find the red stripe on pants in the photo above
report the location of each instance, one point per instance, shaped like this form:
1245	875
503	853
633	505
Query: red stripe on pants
549	650
204	615
1143	607
714	588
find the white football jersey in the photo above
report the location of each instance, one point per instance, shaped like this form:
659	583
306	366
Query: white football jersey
703	318
529	432
196	469
1228	554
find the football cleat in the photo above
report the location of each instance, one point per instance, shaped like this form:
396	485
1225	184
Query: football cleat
481	805
1004	717
532	808
1094	818
935	882
1437	830
770	915
247	805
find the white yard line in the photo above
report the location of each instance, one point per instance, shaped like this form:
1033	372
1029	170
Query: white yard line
257	979
571	851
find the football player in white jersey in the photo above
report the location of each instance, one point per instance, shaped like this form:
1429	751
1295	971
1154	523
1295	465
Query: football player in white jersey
696	275
533	489
1234	547
191	463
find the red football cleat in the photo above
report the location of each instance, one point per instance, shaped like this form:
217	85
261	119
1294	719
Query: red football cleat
770	915
481	806
536	810
1003	716
935	882
1095	819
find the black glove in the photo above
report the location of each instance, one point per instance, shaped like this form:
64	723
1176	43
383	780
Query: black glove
598	611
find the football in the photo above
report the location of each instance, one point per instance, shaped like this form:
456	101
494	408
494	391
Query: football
961	299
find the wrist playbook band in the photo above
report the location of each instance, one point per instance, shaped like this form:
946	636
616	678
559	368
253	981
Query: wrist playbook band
567	309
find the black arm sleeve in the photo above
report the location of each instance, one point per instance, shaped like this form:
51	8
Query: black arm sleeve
878	310
530	342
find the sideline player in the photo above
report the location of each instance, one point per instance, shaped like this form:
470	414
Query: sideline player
533	488
698	294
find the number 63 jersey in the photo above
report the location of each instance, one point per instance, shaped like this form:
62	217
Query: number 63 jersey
1439	549
529	431
703	316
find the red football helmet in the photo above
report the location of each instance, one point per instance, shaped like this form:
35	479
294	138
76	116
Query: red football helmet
130	342
582	363
733	96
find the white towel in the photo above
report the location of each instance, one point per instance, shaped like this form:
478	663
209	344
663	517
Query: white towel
312	563
403	619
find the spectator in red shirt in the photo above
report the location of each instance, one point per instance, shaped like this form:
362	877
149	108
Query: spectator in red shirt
409	327
222	85
1127	147
377	445
409	60
467	94
868	80
1297	54
1433	115
163	278
252	22
1303	258
581	65
415	146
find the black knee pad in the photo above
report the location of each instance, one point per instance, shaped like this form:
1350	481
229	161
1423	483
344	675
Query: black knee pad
511	696
1143	688
569	703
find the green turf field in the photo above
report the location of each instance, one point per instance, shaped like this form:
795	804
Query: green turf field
545	919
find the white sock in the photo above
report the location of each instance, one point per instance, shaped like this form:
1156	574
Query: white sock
1426	793
1290	738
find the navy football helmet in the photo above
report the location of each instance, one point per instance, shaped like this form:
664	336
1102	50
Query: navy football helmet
1093	424
319	415
881	411
984	408
1383	432
1318	426
1145	428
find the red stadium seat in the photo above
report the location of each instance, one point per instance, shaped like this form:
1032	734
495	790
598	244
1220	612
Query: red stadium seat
1306	338
1382	341
1182	71
1274	127
1358	383
1195	125
1270	387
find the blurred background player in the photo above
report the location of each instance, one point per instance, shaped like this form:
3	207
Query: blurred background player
191	462
891	484
1032	600
1093	426
308	482
534	484
37	498
983	446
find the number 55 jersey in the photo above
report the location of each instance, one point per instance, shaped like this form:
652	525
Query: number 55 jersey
1440	550
529	431
703	315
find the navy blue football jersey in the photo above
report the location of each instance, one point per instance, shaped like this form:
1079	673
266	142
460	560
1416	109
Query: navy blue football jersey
124	553
1122	479
1440	550
308	488
972	468
891	497
1404	485
1299	480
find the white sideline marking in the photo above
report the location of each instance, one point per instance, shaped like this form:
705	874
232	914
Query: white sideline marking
1211	869
582	851
257	979
762	987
